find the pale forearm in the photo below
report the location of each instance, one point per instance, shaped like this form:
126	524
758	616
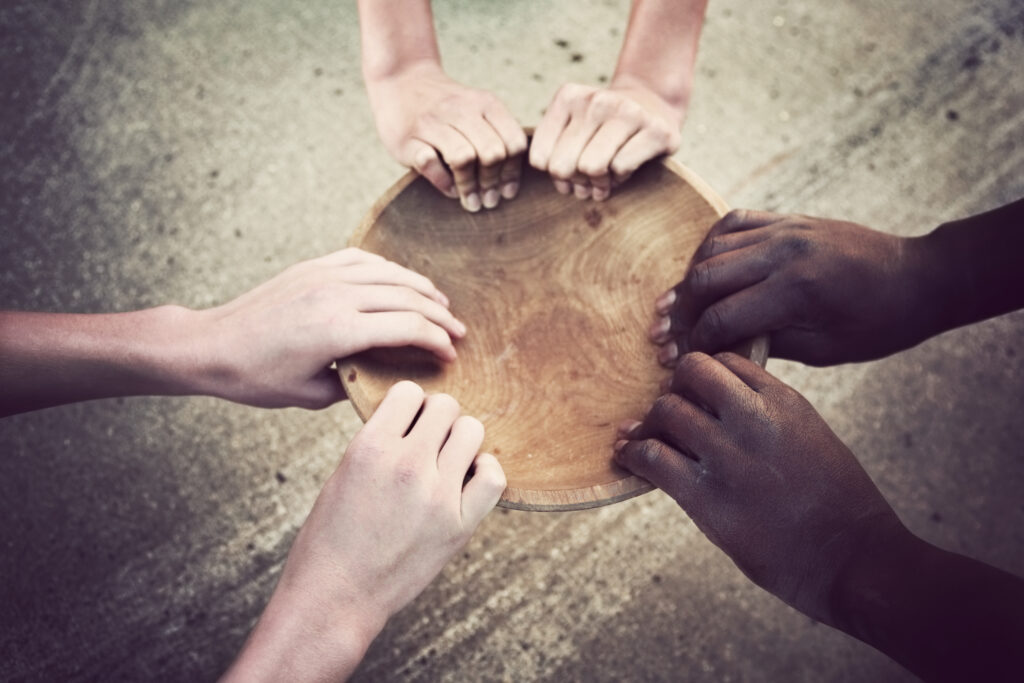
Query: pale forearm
297	639
395	34
49	359
660	48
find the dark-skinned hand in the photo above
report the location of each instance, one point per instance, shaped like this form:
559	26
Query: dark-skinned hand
761	474
825	291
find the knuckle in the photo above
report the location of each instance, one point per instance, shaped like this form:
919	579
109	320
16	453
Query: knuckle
405	473
364	449
632	113
518	144
461	156
726	357
570	92
591	166
715	245
493	477
701	277
796	243
472	424
444	401
407	389
492	155
663	408
621	166
562	170
649	452
713	323
692	363
424	158
735	218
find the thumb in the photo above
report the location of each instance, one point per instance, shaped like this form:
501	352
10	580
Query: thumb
424	159
663	466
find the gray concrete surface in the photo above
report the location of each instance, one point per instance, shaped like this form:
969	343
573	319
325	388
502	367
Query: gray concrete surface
184	151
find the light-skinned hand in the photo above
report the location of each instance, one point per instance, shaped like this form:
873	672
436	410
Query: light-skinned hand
408	494
592	139
463	140
273	346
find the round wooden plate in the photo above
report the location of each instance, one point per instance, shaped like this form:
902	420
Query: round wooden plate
558	295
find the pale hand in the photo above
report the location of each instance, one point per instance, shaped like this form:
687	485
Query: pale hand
410	491
591	140
463	140
272	346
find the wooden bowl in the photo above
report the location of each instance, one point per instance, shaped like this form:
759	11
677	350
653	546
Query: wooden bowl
558	295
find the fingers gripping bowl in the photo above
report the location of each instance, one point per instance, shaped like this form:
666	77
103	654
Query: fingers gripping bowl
558	295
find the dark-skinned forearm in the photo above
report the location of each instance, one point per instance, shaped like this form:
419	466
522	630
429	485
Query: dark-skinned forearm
941	615
972	268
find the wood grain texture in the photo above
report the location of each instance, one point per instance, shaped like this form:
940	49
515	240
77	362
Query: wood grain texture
558	295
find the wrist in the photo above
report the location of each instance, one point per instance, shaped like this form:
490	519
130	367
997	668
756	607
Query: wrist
889	561
670	101
936	281
379	71
185	351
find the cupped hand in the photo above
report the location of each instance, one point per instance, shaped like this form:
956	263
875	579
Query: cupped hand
592	139
825	291
272	346
761	474
411	489
463	140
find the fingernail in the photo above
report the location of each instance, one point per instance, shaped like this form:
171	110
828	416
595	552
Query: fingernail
627	427
665	301
491	198
563	186
444	299
461	328
510	190
668	353
451	193
581	191
665	385
619	445
600	194
471	202
659	330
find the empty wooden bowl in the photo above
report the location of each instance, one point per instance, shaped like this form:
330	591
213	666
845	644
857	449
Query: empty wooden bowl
558	294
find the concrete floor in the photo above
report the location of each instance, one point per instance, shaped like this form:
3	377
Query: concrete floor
183	152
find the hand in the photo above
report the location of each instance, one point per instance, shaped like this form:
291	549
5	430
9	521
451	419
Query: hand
763	476
464	141
591	140
826	291
389	518
273	346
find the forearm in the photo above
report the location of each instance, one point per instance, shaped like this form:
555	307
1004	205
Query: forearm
395	34
48	359
295	639
660	48
972	268
941	615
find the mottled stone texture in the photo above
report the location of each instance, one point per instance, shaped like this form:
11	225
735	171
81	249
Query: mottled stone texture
183	152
